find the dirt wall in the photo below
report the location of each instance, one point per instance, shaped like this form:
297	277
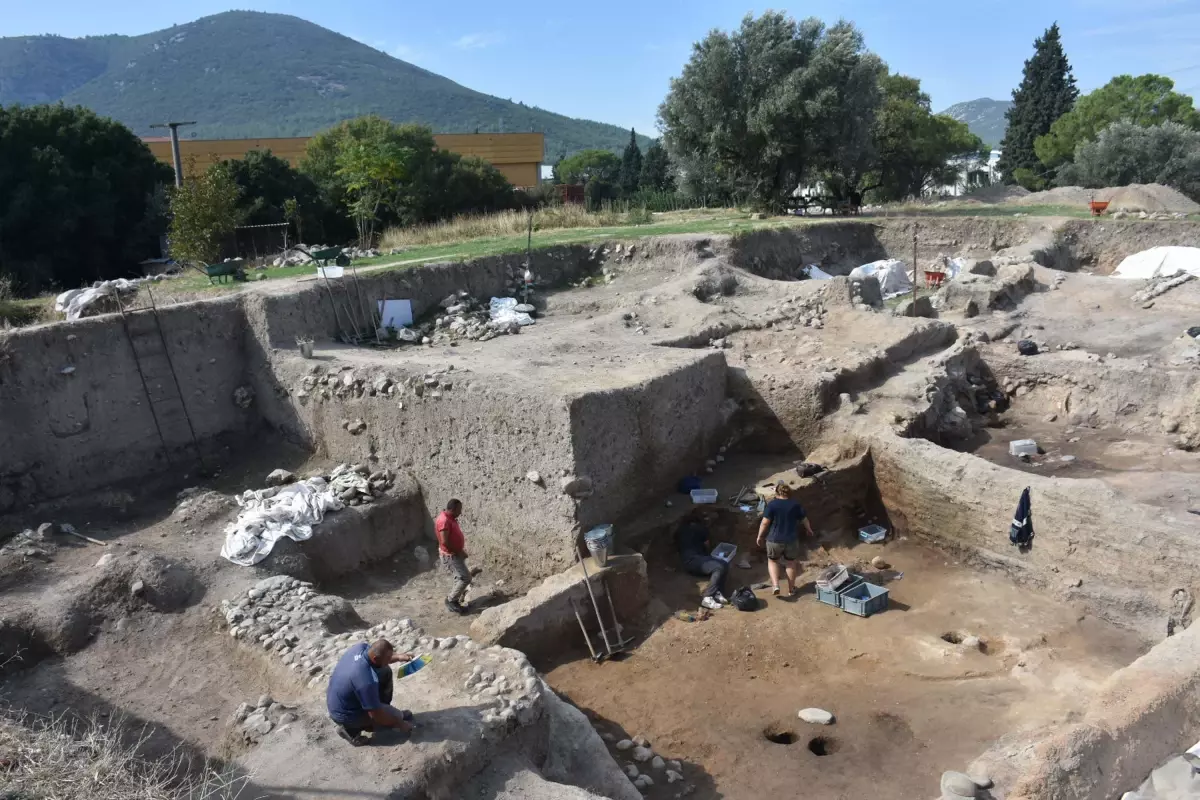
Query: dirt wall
1140	717
1101	245
309	310
1127	558
75	415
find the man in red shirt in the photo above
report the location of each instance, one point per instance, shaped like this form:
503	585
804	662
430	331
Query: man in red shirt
452	549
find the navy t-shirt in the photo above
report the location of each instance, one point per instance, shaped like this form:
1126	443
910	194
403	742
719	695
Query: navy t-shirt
785	517
353	687
692	540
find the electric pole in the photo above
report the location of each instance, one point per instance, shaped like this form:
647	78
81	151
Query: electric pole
174	126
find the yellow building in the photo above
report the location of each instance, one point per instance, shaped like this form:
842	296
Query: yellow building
518	156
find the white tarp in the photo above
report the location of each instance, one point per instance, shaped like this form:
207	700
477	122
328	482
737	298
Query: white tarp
504	310
893	278
75	301
268	515
1160	262
816	273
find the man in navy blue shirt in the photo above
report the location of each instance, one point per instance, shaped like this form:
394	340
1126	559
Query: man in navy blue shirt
780	528
692	541
359	695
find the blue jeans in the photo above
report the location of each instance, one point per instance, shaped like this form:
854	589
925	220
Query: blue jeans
713	568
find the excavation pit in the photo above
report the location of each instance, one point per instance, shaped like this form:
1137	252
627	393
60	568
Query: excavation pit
778	735
823	745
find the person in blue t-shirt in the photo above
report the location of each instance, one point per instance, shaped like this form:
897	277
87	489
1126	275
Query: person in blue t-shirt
359	695
780	528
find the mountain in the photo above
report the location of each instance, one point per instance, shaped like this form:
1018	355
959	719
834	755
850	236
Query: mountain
985	117
244	74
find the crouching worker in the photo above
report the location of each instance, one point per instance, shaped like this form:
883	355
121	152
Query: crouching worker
359	695
695	552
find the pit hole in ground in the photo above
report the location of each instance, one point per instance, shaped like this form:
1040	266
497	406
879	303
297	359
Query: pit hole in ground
780	735
823	745
952	637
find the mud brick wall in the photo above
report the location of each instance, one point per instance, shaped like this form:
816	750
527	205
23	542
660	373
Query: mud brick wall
73	412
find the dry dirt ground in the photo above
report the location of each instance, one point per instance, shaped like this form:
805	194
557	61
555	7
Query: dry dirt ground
908	704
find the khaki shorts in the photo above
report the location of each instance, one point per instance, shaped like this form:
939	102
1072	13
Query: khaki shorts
784	551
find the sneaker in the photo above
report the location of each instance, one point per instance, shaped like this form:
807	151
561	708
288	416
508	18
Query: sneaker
720	598
710	602
356	741
775	591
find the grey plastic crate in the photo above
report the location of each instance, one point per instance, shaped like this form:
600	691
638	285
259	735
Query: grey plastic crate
833	597
864	599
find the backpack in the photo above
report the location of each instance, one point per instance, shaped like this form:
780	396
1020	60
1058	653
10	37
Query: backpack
744	599
1027	347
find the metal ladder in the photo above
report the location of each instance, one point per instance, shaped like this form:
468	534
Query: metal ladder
160	382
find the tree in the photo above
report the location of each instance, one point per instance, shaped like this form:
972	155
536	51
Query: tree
1047	91
589	165
204	212
1145	100
273	191
371	170
768	105
1126	153
76	198
915	146
631	165
656	169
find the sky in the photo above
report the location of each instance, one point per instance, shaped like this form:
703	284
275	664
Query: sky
613	62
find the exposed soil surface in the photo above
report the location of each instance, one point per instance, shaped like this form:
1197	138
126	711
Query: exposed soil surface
908	704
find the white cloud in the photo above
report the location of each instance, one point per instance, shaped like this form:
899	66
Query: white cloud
478	41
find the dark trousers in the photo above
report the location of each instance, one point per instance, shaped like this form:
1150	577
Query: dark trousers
713	568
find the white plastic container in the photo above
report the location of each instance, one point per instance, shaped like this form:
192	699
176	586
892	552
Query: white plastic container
704	496
330	272
1023	447
725	552
872	534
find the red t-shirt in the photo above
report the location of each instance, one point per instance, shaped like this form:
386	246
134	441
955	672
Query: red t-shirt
449	535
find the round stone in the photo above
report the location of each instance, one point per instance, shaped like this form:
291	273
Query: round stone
956	785
816	716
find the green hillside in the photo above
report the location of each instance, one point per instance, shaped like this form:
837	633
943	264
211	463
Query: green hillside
250	74
985	117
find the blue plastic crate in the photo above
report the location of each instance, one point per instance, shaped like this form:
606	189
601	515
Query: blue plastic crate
834	597
865	599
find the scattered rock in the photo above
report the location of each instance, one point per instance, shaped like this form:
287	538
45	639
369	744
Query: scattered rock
264	701
243	396
658	763
642	754
958	786
641	741
105	559
625	744
878	563
356	427
279	477
673	776
816	716
577	486
533	476
137	588
632	771
971	643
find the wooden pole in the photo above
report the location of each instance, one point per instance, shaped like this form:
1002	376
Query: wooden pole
916	269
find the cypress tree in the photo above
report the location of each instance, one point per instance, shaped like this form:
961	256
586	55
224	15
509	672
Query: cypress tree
656	169
1047	91
631	165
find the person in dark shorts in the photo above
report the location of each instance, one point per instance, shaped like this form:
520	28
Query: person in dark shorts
359	694
694	552
780	529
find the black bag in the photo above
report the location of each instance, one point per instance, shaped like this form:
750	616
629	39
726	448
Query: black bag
1027	347
744	599
1020	532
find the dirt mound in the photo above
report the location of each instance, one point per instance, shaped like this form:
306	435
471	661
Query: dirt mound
1149	197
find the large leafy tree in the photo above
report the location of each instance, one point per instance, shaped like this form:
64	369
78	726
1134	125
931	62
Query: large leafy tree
1047	91
204	212
273	191
914	146
656	169
1144	100
631	165
589	165
766	106
1126	153
76	198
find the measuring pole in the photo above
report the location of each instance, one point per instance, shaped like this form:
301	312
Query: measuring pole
175	159
916	269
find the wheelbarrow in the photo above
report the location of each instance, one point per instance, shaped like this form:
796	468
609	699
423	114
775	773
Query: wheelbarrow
330	254
224	270
1097	207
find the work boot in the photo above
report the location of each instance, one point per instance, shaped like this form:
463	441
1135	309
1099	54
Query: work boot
456	608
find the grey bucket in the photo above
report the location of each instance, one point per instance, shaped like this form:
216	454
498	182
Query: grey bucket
599	542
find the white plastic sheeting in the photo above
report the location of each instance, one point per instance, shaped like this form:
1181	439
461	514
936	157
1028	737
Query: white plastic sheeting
504	310
1160	262
816	273
891	274
268	515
